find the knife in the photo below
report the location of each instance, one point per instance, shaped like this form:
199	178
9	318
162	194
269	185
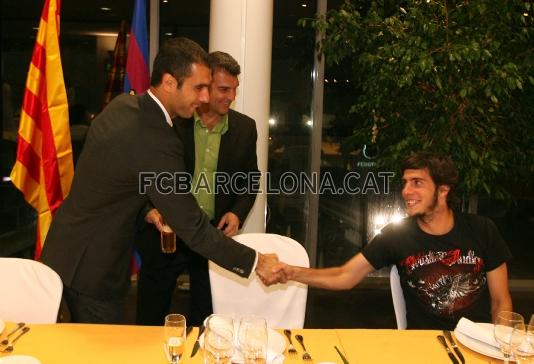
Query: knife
441	339
345	361
197	343
448	335
188	330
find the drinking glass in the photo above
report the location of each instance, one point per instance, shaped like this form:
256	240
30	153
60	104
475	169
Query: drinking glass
174	337
524	352
168	240
218	340
252	338
504	327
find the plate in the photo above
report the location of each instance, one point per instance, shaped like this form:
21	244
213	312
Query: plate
276	345
2	326
479	346
19	359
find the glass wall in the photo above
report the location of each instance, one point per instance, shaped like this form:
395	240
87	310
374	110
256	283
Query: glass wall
290	122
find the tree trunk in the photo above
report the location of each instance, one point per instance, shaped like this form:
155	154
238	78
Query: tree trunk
473	204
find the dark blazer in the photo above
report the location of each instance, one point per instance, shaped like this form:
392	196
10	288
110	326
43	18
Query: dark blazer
237	153
89	241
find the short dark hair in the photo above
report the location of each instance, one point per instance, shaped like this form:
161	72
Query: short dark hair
176	57
224	61
441	168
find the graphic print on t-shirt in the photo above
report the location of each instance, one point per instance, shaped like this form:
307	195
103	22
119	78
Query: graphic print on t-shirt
445	282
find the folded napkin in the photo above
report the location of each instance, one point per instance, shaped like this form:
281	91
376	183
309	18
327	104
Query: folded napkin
274	358
480	332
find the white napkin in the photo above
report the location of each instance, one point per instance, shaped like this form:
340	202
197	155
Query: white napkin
482	333
274	358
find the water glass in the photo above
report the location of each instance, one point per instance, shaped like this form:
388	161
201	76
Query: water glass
524	352
252	338
175	333
504	327
218	340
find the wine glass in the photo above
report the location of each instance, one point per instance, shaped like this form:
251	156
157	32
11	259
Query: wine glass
218	340
504	327
175	332
252	338
531	323
524	352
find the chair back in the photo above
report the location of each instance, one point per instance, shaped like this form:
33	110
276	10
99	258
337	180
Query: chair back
31	291
398	298
282	305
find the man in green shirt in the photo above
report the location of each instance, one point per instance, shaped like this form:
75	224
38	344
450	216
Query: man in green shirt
218	142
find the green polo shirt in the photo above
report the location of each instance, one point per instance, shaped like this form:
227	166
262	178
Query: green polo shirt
207	144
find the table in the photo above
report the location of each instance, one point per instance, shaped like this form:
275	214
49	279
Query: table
117	344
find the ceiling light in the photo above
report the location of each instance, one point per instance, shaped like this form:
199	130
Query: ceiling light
168	33
303	5
272	121
105	9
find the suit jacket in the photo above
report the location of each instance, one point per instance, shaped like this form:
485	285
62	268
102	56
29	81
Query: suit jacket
89	241
237	153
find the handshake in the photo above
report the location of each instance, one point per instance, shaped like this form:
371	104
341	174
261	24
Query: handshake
270	270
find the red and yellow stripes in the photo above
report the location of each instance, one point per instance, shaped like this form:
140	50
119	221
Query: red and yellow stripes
44	169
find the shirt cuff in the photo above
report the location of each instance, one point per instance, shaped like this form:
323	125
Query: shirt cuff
255	264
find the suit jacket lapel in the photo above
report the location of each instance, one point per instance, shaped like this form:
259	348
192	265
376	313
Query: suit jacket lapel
185	130
225	148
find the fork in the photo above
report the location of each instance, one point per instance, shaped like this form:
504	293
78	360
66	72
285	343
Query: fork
9	347
291	349
306	356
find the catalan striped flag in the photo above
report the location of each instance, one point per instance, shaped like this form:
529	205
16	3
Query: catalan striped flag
43	168
137	75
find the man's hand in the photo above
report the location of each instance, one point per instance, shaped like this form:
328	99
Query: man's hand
230	223
285	271
264	268
154	217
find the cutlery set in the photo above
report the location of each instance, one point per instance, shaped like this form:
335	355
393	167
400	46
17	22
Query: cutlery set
441	338
292	352
6	345
306	357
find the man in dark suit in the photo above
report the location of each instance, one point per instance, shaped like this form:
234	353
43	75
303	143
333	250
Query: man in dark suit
89	241
219	140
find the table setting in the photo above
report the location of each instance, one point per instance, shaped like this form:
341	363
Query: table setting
508	339
7	345
248	339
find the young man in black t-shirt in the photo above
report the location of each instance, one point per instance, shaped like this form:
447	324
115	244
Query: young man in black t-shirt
451	264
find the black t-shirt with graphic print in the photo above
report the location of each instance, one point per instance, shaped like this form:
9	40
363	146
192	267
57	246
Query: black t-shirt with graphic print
443	277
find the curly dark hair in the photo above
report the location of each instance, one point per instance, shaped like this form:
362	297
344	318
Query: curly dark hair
441	168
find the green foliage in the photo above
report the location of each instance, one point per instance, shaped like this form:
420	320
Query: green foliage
456	77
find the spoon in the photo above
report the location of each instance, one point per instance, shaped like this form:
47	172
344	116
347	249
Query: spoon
6	341
9	347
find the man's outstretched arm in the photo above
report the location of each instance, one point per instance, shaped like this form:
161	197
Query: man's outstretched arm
336	278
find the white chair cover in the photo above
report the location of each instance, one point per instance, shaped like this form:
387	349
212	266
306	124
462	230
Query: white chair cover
282	305
31	291
398	298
